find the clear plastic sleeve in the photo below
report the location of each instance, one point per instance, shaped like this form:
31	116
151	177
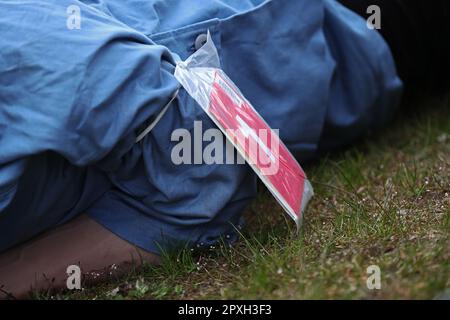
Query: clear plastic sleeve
202	77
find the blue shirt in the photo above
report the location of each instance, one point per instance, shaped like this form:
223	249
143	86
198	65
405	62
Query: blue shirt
72	102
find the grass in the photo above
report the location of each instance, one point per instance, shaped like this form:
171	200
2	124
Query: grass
384	202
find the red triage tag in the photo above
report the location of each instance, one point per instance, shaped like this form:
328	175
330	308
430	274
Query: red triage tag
256	142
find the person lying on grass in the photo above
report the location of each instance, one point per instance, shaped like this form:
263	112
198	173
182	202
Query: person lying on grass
81	80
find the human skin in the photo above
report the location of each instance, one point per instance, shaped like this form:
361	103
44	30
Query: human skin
41	263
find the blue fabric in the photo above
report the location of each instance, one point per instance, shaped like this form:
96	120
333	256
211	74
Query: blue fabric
73	101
